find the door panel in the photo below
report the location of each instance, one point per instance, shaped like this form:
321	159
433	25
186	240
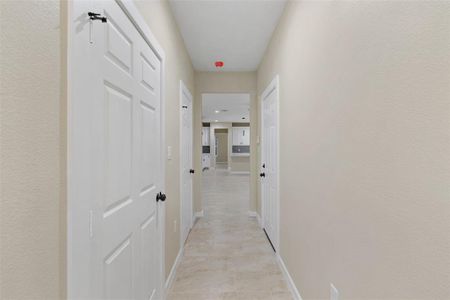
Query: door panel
118	108
119	46
118	269
119	151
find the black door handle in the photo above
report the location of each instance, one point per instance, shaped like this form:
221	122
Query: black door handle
192	171
262	174
160	197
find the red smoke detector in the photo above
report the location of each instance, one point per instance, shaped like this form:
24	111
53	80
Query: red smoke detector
218	64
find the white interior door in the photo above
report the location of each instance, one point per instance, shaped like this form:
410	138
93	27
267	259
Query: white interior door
186	161
269	169
115	159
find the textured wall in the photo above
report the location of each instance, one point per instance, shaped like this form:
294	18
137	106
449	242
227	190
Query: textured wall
223	82
365	175
32	182
178	66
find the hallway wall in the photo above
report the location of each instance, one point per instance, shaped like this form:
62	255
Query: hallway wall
223	82
178	66
32	151
365	176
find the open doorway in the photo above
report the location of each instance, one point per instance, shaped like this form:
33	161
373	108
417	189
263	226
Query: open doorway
226	152
226	132
221	148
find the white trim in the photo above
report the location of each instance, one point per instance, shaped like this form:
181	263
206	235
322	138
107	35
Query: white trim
254	214
136	18
198	215
240	172
274	84
258	218
291	285
173	271
185	90
142	27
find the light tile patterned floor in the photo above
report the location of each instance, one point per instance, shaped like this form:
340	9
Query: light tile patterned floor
227	255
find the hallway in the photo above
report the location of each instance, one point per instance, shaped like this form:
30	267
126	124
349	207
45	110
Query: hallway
153	149
227	255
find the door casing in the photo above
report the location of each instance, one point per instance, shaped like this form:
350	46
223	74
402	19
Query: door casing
185	90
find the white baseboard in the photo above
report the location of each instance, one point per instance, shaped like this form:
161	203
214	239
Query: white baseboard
294	291
239	172
173	271
255	214
198	214
258	218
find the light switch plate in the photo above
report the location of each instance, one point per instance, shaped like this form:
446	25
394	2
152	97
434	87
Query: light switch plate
334	293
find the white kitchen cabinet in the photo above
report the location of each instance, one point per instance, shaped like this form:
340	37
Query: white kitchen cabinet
206	160
205	136
241	136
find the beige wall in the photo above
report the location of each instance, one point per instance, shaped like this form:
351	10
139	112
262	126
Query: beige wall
178	66
32	147
365	176
33	141
223	82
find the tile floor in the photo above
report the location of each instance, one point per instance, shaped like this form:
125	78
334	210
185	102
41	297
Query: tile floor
227	255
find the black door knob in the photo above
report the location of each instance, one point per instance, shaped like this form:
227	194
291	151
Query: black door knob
262	174
160	197
192	171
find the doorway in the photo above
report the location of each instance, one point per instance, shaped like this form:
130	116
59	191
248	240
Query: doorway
226	151
221	147
270	162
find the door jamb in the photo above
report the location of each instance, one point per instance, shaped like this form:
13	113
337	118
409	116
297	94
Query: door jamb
273	85
185	90
143	28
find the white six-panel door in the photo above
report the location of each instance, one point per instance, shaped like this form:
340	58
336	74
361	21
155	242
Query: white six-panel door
186	161
269	158
115	160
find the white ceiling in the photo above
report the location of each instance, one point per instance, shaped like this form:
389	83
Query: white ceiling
237	106
236	32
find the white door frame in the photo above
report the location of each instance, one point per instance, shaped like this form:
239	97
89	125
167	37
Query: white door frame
142	27
185	90
274	86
